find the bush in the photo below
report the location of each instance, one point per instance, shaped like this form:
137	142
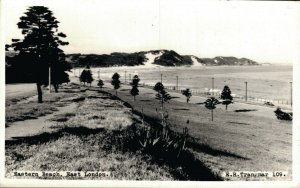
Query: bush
86	76
116	81
188	94
100	83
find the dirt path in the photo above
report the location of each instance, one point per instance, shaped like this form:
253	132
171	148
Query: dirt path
32	127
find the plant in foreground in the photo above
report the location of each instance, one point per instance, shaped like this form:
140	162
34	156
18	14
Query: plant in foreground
162	141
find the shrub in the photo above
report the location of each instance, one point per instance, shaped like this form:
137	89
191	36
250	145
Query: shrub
100	83
116	82
162	141
188	94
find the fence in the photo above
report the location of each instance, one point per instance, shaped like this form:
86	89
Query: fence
200	92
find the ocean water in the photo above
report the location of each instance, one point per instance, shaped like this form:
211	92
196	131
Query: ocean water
263	82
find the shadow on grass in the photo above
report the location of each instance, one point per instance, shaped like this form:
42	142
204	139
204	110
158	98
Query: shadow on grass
211	151
46	137
186	167
239	123
183	109
245	110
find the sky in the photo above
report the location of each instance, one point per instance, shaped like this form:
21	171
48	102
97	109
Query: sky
262	31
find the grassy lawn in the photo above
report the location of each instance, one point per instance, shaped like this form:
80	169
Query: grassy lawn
233	141
100	135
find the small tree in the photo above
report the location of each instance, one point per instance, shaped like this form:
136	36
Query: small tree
83	76
163	96
211	103
135	83
158	87
135	80
226	96
116	82
188	94
134	92
100	84
86	76
89	77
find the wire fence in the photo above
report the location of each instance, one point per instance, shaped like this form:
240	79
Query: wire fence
199	92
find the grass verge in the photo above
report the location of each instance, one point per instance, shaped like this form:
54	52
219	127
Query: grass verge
99	135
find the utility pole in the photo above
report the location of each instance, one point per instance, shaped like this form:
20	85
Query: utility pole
49	79
213	85
291	85
246	91
79	75
177	83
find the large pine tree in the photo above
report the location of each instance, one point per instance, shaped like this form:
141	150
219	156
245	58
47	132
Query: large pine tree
40	47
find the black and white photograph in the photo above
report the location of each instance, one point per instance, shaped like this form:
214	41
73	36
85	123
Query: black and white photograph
156	93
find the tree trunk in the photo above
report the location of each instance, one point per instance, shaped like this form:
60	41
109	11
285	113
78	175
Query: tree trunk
40	94
116	93
226	106
55	88
133	98
187	100
212	114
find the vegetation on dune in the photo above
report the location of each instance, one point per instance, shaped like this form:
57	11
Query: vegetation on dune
171	58
167	58
104	60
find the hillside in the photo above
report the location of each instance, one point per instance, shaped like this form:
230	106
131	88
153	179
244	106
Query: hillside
226	61
149	58
154	58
